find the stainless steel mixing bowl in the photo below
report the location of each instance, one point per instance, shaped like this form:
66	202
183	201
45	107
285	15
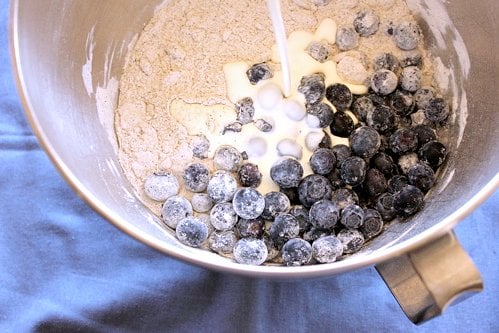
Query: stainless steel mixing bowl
64	51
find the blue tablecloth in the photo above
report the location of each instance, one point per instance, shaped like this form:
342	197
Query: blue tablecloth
64	268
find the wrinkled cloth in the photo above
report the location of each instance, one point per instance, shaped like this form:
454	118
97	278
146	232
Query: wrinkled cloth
64	268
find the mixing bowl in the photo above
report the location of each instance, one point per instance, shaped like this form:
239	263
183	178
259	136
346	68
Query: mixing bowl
68	56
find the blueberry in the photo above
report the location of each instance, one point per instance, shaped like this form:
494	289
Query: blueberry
422	176
327	249
341	152
313	88
302	215
161	185
423	96
313	188
292	194
365	141
275	203
201	202
412	58
191	231
200	147
314	233
245	110
322	161
382	118
403	140
335	178
235	127
384	206
343	197
424	133
402	102
342	124
248	203
227	158
196	177
353	170
249	175
386	61
437	110
352	216
250	227
223	216
259	72
263	125
287	173
250	251
339	95
323	112
407	35
408	200
346	38
373	224
175	209
325	142
384	163
375	182
352	240
272	248
318	51
362	106
296	252
284	227
384	82
377	99
222	186
433	153
410	79
222	241
396	183
324	214
366	23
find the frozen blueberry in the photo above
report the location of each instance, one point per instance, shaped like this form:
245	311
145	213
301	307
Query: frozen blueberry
313	88
313	188
161	185
259	72
353	170
410	79
384	206
366	23
245	110
322	161
402	102
235	126
292	194
327	249
343	197
196	177
396	183
352	216
403	140
191	231
375	182
287	173
382	118
222	241
437	110
412	58
302	215
339	95
335	178
346	38
284	227
386	61
249	175
341	152
384	82
250	251
324	214
352	240
342	124
248	203
296	252
200	147
275	203
362	106
250	227
422	97
407	35
424	133
422	176
384	163
263	125
373	224
314	233
223	216
323	112
175	209
433	153
318	51
227	158
222	186
201	202
365	141
408	200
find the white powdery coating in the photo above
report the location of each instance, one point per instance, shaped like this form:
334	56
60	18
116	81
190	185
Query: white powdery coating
269	96
250	251
161	186
289	147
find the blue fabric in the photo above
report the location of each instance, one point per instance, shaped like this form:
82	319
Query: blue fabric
64	268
